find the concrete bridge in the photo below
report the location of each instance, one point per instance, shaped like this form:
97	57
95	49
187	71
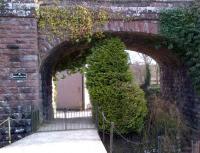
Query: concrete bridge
24	49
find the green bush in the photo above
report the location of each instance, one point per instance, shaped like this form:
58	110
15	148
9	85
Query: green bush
111	86
153	90
147	80
166	121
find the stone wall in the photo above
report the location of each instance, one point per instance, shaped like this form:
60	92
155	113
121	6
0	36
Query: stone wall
26	51
177	86
20	122
19	53
20	8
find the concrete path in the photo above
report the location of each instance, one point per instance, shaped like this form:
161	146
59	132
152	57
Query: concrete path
77	141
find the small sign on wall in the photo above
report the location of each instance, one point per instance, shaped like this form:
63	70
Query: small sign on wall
19	76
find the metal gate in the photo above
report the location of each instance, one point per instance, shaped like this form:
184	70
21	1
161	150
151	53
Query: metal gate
64	119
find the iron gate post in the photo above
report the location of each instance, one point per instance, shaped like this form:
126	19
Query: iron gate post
103	129
111	136
65	118
9	131
159	144
97	118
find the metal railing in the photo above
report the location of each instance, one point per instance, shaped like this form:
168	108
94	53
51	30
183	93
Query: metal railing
195	146
65	119
113	130
35	120
7	121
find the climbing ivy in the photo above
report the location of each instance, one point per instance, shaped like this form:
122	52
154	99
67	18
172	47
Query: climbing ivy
78	24
181	28
75	23
73	63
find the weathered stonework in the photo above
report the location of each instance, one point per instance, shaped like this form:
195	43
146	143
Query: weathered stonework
23	48
20	122
20	8
20	32
138	33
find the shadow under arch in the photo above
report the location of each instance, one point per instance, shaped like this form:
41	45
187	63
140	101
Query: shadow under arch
174	80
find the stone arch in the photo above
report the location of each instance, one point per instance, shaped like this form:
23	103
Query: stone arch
47	68
175	82
21	43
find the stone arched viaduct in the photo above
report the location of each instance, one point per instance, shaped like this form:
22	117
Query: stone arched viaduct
26	50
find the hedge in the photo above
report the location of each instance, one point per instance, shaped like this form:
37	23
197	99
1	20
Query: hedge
111	87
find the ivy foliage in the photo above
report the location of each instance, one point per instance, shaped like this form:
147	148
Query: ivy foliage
182	29
75	62
76	22
111	87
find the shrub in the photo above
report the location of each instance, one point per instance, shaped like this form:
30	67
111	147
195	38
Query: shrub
153	90
111	86
147	80
166	123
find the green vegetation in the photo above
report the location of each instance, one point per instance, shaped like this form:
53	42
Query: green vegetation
147	80
181	28
111	86
153	90
76	23
165	122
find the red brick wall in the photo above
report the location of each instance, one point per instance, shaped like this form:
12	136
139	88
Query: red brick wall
22	33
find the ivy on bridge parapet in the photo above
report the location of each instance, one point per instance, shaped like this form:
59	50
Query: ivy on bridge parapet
75	23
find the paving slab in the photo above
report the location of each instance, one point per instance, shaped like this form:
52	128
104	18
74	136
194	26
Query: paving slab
75	141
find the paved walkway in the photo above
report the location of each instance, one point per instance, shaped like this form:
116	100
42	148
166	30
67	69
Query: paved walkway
77	141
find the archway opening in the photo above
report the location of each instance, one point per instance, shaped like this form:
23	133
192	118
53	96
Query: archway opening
173	74
174	79
142	43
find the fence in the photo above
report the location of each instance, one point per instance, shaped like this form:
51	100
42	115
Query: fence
195	146
35	120
12	129
137	146
113	130
64	119
15	125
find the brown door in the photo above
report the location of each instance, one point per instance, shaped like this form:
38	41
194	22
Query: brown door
70	92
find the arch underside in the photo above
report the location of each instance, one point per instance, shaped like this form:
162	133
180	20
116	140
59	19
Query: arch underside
175	82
